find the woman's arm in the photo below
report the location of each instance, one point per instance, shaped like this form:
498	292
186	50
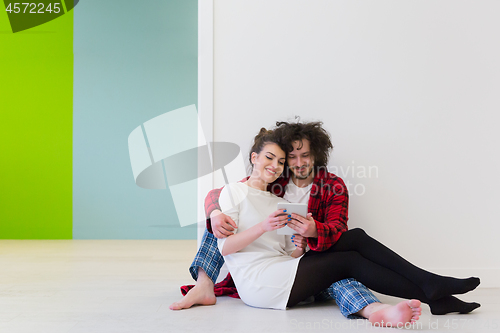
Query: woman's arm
236	242
240	240
297	253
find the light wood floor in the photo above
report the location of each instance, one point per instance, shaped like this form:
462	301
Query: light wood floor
95	286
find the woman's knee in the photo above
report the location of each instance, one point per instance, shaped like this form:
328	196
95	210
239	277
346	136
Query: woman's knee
358	232
354	236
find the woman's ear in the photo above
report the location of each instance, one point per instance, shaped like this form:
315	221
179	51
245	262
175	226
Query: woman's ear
253	157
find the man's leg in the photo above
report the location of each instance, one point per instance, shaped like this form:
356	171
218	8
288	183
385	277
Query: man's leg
207	258
393	315
358	302
350	295
205	270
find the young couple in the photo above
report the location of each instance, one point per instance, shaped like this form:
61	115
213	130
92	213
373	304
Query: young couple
275	271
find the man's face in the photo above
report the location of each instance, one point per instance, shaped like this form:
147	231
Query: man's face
300	161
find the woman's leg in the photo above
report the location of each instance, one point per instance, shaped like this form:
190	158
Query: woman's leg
434	286
318	270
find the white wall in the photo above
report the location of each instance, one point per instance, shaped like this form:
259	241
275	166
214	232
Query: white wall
410	88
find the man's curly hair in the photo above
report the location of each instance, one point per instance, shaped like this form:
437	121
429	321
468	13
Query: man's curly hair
318	137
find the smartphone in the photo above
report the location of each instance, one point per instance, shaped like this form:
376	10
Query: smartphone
297	208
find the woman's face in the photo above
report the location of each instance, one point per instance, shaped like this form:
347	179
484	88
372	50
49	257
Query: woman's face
269	163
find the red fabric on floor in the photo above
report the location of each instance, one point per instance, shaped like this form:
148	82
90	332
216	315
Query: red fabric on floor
224	288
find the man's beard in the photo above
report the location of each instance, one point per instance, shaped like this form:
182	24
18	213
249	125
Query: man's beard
299	176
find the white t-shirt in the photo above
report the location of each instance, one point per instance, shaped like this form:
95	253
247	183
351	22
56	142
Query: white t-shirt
263	271
296	194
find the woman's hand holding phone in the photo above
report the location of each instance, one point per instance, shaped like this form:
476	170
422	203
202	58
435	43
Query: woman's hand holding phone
276	220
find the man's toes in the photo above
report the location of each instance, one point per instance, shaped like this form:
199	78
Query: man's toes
414	303
183	304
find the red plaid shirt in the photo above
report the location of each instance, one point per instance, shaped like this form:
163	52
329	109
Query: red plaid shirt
328	204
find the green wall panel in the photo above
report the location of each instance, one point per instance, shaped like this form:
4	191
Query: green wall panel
36	91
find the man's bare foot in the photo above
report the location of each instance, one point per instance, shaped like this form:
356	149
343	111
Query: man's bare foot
199	295
397	315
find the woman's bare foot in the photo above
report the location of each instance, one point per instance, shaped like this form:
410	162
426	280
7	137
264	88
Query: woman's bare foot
396	315
199	295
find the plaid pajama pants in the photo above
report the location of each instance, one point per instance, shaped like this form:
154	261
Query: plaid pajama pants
350	295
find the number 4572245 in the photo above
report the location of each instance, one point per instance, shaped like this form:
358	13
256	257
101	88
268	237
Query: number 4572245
33	8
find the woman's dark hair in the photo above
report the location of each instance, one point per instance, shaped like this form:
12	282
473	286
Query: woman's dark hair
318	137
264	137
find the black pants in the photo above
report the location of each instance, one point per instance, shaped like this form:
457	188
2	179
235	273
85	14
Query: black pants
357	255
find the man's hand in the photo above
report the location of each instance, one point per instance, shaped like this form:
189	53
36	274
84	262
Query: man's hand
304	226
222	225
